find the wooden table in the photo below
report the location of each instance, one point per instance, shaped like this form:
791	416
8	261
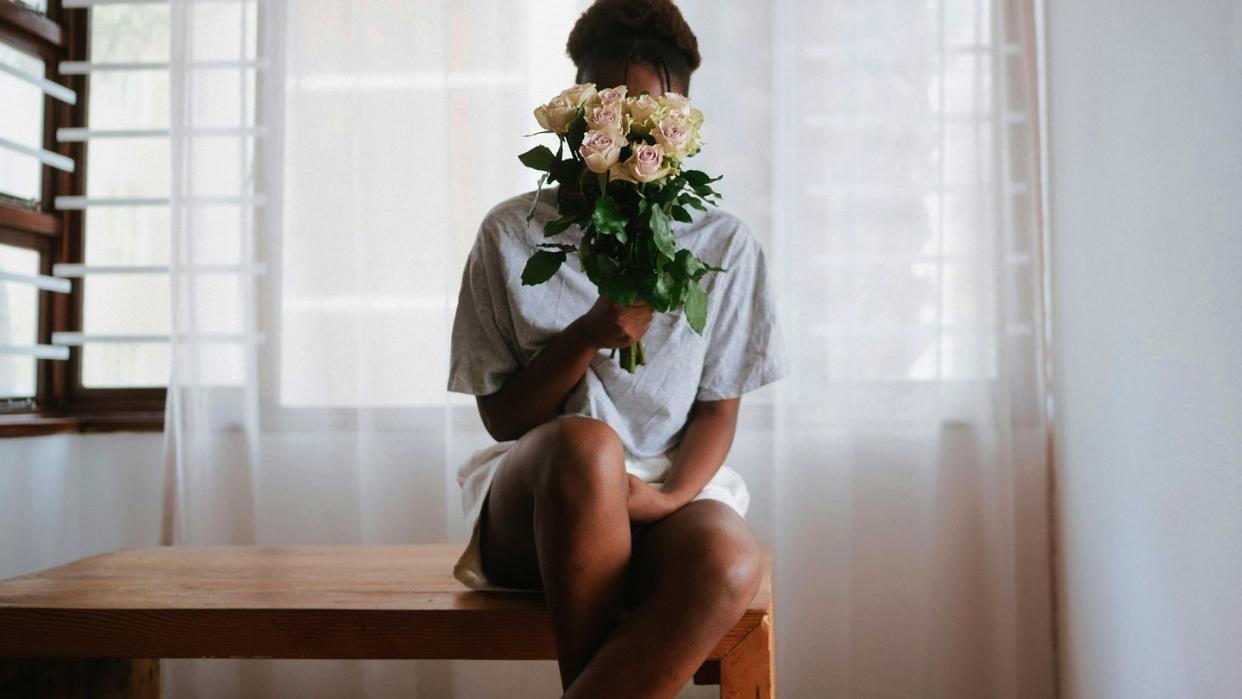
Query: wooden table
97	626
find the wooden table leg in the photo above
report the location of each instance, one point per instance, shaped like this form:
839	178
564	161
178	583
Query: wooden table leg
749	671
65	678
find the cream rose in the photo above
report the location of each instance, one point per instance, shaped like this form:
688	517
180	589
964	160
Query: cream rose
556	115
601	150
641	110
646	163
610	96
606	119
674	102
579	94
674	133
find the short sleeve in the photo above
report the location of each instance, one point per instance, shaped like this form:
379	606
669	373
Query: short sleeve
745	347
482	350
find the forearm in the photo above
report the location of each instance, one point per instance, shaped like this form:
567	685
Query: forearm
534	394
703	448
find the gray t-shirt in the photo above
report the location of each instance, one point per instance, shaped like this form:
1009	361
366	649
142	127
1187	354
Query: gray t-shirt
501	325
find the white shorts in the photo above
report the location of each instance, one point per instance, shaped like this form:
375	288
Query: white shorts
475	478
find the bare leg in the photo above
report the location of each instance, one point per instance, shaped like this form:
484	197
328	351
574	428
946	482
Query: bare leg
556	518
698	569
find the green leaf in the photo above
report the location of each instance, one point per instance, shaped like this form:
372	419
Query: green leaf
661	296
576	130
607	218
557	226
625	296
620	289
686	265
538	158
566	172
695	176
661	233
698	178
541	267
696	307
600	268
692	201
680	214
678	293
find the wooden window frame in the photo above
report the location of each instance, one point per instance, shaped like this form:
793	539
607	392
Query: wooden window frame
61	403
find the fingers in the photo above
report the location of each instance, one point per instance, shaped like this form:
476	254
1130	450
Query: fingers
638	304
619	326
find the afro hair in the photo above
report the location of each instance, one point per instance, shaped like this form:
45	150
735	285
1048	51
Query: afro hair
648	31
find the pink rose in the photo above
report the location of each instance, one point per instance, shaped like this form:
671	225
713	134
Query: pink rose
674	133
601	150
642	110
646	163
674	102
605	119
610	96
556	114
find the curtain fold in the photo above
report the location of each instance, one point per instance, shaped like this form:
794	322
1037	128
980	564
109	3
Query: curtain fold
338	157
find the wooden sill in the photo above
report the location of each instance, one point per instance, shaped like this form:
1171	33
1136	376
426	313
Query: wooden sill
29	221
31	22
32	425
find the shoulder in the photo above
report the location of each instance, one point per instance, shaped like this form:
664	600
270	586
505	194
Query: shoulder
509	217
505	233
725	235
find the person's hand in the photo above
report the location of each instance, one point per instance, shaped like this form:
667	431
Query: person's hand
608	325
646	503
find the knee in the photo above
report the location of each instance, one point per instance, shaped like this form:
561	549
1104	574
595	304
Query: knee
586	460
730	565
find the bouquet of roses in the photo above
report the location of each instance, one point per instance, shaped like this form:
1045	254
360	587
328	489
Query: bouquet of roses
622	183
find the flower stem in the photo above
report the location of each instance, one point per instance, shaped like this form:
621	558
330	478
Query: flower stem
632	357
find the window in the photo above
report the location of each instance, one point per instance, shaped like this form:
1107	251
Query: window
19	322
912	181
21	127
123	274
21	187
83	259
31	168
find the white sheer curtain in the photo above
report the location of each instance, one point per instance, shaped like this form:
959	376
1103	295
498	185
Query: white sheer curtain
911	468
331	163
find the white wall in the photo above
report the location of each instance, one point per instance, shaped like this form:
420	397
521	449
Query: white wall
1146	152
67	496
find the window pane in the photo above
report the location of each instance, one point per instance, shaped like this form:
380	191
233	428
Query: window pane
125	365
135	99
137	304
21	121
127	235
129	33
128	167
19	322
39	6
125	304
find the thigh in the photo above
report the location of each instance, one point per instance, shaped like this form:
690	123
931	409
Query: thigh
702	535
507	521
586	453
